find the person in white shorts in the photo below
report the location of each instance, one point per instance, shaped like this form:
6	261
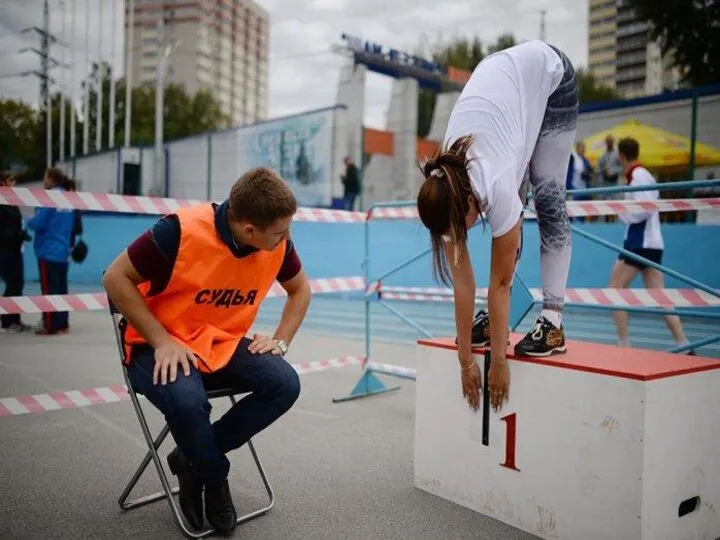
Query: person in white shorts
514	122
643	237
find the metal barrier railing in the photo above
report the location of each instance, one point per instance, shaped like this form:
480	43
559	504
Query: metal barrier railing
522	301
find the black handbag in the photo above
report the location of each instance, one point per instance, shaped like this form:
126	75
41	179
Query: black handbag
79	251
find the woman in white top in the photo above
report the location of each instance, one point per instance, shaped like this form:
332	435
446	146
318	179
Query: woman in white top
514	122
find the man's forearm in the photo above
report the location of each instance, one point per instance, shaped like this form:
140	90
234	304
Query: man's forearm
293	314
129	302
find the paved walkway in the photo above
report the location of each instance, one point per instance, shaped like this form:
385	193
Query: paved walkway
339	470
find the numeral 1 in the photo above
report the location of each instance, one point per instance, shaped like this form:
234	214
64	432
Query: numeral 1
510	431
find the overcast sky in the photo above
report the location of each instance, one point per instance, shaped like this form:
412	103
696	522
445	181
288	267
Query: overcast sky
303	69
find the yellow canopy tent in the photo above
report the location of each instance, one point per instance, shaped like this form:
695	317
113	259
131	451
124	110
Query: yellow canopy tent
659	149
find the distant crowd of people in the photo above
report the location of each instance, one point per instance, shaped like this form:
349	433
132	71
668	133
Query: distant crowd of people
55	234
582	175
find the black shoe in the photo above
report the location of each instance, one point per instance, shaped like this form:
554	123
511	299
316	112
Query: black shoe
480	336
543	339
191	488
219	508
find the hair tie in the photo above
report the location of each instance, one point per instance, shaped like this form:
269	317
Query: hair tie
437	172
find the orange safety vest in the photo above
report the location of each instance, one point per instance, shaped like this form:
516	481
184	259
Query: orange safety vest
213	297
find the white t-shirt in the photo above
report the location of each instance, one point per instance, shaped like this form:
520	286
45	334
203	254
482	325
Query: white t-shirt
578	168
643	228
502	106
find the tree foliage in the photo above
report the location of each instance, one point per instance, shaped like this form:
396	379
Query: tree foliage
590	90
19	125
689	31
23	132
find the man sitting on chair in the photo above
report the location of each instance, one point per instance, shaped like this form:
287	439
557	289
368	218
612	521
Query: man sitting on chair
190	289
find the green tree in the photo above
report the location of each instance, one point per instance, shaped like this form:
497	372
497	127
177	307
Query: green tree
504	41
19	128
590	90
23	132
462	54
689	31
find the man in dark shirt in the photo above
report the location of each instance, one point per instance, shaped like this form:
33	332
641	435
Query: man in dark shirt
351	181
176	340
12	236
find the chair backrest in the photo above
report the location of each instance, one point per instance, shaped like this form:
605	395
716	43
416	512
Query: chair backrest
119	325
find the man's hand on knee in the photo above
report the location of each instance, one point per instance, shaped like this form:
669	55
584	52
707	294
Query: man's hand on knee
264	345
167	358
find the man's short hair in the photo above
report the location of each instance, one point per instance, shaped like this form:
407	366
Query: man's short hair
629	148
261	197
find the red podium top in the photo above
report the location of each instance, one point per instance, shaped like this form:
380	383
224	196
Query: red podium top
624	362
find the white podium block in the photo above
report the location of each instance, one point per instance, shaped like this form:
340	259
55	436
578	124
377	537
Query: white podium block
601	443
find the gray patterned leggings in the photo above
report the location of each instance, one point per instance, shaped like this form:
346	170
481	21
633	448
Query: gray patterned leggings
546	173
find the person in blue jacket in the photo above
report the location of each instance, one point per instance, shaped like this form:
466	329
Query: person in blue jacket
54	229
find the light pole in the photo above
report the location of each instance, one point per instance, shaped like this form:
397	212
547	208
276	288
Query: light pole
100	80
86	83
128	69
111	121
72	82
164	52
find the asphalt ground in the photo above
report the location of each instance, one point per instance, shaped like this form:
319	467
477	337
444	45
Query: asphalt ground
339	470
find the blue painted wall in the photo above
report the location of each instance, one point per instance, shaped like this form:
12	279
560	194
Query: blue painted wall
329	250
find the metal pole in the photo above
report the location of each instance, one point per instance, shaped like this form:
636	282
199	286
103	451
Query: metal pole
100	81
111	122
48	104
86	96
694	344
63	87
663	269
72	81
693	134
45	85
128	69
680	312
655	187
366	273
159	104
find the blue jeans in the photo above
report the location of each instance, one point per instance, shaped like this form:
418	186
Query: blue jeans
273	384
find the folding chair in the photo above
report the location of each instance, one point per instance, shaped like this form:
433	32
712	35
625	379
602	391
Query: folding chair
119	325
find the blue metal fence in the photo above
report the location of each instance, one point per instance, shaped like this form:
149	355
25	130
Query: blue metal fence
522	300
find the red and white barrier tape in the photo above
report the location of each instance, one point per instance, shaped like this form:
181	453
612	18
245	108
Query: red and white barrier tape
98	301
585	208
53	401
389	369
611	208
109	202
606	296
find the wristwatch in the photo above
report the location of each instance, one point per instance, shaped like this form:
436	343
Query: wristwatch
282	345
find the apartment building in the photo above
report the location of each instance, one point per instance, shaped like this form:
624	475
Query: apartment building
621	53
220	45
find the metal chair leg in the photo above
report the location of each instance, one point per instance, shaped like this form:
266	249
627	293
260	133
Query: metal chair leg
168	492
266	483
142	501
